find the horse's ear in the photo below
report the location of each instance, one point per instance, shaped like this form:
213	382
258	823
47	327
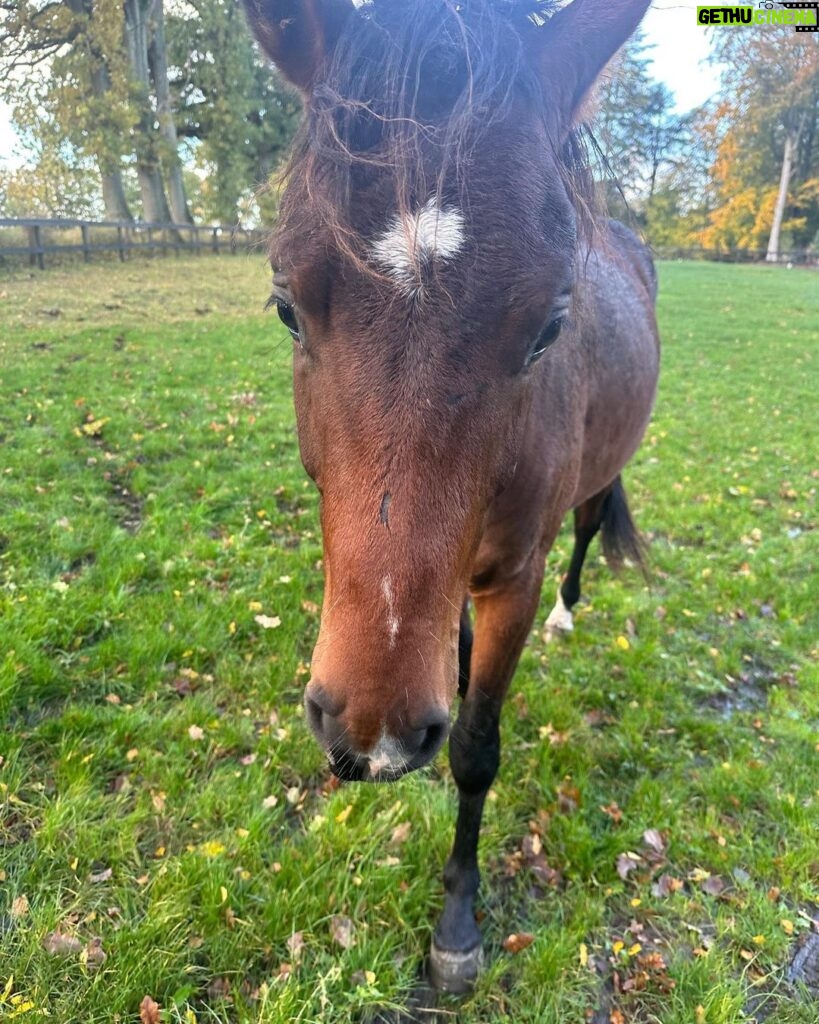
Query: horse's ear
298	35
575	44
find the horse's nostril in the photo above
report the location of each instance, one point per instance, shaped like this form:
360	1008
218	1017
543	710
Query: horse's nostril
433	740
314	715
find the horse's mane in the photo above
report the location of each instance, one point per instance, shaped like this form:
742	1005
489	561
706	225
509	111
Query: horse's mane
412	89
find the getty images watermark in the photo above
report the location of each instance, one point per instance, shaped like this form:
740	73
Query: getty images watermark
803	16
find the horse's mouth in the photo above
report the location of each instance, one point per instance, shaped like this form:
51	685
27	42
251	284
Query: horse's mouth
359	769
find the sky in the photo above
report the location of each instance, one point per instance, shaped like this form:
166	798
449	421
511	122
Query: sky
679	48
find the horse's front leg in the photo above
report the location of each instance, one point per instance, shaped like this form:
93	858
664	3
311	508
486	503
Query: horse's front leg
504	616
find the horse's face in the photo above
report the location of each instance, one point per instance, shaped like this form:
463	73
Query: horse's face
413	371
411	389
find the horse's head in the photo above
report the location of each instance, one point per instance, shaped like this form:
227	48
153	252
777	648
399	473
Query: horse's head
424	260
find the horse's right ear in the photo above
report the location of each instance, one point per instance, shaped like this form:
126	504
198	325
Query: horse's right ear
298	35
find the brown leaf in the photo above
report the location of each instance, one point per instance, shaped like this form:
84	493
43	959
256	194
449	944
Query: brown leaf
100	876
58	944
295	944
626	863
400	833
713	886
95	956
341	929
149	1011
613	811
654	841
568	798
665	885
516	943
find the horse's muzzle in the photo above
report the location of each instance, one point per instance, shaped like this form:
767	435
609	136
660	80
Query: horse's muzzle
396	751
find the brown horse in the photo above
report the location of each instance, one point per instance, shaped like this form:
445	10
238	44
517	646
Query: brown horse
476	354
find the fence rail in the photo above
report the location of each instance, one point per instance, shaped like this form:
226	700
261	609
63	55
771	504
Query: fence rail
33	239
797	258
40	242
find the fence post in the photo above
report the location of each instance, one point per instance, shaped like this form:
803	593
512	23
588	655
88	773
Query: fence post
119	244
86	251
35	244
215	240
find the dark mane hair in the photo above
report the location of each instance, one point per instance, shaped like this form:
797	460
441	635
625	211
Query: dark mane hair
411	91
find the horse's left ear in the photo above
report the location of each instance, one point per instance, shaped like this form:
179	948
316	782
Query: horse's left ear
298	35
575	44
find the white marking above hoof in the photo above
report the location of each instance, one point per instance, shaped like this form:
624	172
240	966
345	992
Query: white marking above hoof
560	621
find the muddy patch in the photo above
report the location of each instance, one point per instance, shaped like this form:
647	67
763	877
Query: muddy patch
803	970
745	692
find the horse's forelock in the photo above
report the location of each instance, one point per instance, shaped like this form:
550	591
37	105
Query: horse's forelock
410	92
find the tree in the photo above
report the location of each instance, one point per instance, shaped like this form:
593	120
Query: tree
62	72
643	137
766	171
230	105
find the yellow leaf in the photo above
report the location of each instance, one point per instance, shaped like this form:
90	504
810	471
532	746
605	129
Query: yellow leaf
759	940
7	989
787	926
344	815
212	848
584	955
94	427
622	643
618	947
223	893
635	949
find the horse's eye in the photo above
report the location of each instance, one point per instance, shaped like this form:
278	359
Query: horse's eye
547	337
287	315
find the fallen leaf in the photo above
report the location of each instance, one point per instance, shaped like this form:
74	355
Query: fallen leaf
626	863
665	885
196	732
713	886
341	930
58	944
19	906
94	955
654	841
268	621
516	943
100	876
149	1011
400	833
295	944
568	798
613	812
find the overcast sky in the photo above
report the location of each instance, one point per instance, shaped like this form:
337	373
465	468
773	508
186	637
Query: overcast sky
680	47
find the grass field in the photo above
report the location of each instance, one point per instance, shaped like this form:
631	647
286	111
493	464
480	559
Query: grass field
168	827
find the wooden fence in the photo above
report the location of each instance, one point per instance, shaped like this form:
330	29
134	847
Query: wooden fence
41	242
796	258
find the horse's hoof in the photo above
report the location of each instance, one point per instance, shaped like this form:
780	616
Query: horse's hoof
454	972
560	622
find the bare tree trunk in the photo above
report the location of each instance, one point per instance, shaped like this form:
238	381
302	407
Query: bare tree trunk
109	162
154	203
113	195
782	198
157	54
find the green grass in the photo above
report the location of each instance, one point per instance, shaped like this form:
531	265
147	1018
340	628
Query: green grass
158	787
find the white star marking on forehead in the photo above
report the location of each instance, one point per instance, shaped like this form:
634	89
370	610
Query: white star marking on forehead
432	232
